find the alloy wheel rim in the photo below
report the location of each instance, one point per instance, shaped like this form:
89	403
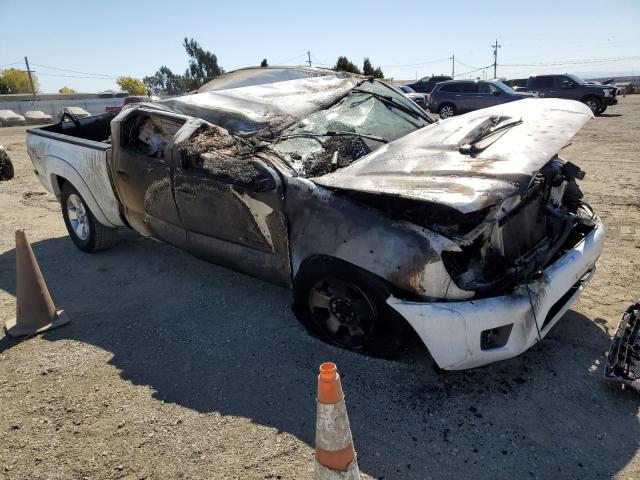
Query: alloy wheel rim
446	112
343	311
78	217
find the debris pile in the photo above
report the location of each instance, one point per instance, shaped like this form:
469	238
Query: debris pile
623	360
221	154
6	167
339	151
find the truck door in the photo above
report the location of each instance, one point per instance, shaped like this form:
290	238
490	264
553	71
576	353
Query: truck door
233	221
565	87
142	172
543	86
490	95
470	99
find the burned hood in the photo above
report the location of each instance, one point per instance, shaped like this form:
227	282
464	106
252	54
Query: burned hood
429	164
274	105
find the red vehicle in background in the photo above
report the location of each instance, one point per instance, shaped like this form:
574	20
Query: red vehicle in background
127	101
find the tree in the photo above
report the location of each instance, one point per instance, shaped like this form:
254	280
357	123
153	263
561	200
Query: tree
203	65
66	90
16	81
367	68
165	82
264	63
369	71
344	65
132	86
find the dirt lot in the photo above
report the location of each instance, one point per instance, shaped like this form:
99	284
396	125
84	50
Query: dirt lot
173	368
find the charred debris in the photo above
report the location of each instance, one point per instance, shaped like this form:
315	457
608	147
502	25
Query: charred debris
623	360
223	154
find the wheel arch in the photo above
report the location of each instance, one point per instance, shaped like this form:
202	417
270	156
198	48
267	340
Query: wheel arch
58	179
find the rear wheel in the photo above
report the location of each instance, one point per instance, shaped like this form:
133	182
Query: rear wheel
447	110
346	306
87	233
594	104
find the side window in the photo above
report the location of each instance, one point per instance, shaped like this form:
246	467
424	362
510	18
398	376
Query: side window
559	80
487	88
544	82
470	87
450	88
149	135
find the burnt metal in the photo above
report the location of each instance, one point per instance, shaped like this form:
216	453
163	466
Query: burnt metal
623	360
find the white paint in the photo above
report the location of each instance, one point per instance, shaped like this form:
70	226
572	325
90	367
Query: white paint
85	168
451	330
261	212
332	426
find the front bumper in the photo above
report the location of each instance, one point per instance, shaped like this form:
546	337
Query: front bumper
611	100
452	330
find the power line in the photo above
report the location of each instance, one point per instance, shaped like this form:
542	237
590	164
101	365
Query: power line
292	58
417	64
74	76
474	70
571	62
466	65
75	71
9	64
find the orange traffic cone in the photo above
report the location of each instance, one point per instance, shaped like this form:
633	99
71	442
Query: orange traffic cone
335	455
35	311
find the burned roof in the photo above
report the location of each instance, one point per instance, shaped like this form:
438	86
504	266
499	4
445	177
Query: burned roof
272	106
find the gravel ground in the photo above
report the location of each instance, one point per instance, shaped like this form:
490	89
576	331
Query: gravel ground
173	368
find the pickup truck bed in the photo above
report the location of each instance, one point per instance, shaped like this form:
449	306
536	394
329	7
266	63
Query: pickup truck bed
63	150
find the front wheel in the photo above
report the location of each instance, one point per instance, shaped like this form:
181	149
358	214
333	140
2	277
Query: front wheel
594	104
87	233
346	306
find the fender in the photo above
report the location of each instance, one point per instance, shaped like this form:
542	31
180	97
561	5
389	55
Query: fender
58	167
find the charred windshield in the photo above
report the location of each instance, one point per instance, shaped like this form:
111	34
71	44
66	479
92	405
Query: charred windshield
368	117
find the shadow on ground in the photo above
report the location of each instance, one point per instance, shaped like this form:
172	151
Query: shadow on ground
210	339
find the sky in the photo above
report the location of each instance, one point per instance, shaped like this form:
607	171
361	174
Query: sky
408	40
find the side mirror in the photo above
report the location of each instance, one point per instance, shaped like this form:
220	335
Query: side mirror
495	93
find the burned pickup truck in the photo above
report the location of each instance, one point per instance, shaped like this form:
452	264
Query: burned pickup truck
471	231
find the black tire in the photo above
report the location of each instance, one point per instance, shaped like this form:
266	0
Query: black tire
446	110
98	237
351	301
594	103
6	167
602	109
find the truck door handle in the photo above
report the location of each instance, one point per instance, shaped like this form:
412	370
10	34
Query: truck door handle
123	174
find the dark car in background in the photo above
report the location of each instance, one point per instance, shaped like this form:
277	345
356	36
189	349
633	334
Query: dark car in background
460	96
426	84
518	84
572	87
410	93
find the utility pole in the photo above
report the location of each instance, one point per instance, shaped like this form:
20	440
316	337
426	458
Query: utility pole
33	90
453	65
495	58
309	57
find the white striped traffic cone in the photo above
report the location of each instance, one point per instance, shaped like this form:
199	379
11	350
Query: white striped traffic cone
335	455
